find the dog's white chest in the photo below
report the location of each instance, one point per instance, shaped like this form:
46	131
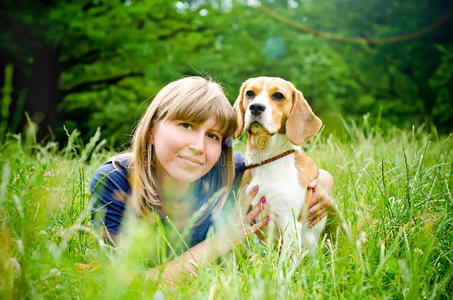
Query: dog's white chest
278	181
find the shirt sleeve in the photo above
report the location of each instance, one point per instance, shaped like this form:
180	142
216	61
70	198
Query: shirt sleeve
109	190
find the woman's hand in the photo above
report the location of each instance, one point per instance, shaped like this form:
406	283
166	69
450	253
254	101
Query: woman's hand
246	222
248	218
321	201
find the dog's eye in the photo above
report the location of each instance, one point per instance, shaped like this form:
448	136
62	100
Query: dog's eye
250	94
278	96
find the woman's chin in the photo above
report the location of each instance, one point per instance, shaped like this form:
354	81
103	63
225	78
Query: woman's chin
187	174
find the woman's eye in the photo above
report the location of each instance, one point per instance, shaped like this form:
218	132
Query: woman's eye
278	96
250	94
214	137
186	125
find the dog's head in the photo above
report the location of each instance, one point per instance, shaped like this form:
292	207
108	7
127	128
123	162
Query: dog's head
276	106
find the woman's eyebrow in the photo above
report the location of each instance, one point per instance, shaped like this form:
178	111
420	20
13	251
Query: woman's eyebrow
216	130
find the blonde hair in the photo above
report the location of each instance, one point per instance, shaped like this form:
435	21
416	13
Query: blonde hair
194	99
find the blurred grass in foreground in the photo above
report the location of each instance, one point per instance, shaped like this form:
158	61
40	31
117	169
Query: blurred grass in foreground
393	188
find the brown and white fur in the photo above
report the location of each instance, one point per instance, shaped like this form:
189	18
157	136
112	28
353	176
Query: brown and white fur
277	118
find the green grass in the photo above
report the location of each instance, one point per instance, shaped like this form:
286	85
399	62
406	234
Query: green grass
393	189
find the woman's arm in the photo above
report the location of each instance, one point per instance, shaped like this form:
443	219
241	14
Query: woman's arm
212	248
322	202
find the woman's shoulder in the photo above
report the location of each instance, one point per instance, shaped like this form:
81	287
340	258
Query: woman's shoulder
109	189
113	172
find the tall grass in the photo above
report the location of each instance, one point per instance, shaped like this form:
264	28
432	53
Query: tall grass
393	189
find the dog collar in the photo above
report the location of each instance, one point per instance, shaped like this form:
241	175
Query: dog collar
269	159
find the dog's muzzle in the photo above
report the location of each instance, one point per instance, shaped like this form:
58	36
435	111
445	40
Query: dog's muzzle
257	109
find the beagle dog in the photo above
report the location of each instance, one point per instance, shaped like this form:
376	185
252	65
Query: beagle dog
278	120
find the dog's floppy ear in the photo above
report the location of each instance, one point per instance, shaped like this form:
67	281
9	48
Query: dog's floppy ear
302	124
239	110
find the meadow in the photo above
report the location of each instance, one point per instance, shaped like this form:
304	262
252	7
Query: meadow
392	188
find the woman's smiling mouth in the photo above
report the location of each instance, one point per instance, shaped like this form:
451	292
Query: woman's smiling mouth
191	160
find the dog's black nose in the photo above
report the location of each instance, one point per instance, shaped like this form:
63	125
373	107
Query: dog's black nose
257	108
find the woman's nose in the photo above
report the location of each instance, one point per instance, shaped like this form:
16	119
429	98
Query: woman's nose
198	143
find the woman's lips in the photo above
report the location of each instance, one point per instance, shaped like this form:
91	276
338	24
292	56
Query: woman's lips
191	160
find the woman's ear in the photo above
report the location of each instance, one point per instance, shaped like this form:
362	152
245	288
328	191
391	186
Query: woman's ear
239	110
302	124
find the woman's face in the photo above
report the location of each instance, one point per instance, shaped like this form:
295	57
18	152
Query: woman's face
186	151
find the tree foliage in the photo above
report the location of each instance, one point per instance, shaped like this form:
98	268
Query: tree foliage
98	63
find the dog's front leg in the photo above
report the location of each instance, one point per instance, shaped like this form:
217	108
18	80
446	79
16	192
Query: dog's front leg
290	238
310	236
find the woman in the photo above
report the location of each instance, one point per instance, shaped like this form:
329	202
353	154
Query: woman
181	158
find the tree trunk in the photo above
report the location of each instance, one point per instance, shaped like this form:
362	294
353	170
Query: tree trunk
43	92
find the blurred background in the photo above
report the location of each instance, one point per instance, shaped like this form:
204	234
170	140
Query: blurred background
90	64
